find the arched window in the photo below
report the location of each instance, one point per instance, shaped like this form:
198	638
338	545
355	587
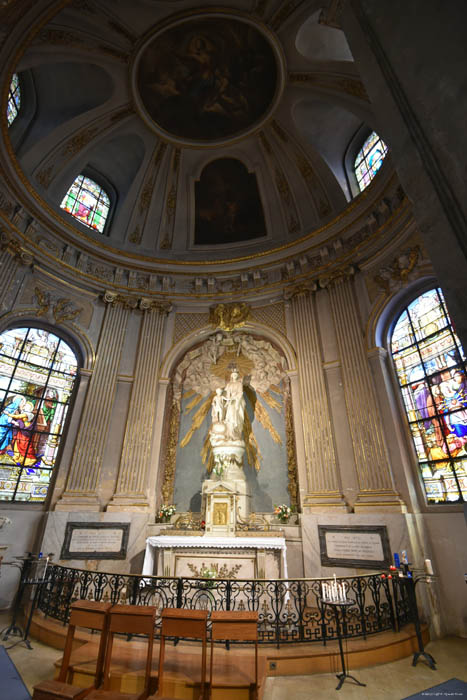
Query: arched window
88	202
14	99
37	374
431	368
369	160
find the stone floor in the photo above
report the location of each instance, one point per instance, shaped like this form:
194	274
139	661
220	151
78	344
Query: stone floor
392	681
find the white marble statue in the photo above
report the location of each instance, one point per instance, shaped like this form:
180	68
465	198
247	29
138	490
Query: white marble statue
235	407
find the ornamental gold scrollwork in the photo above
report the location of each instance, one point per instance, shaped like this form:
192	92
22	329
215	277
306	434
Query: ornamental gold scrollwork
291	452
62	309
171	453
229	316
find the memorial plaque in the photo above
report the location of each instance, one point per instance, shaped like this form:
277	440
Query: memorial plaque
362	547
95	540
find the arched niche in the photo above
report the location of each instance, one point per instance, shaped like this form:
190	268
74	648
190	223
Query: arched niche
195	373
228	208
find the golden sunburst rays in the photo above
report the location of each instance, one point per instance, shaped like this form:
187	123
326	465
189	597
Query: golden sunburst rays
228	361
188	394
198	418
251	446
270	400
194	402
262	416
207	456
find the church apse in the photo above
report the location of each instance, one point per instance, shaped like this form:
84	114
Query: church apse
228	205
204	383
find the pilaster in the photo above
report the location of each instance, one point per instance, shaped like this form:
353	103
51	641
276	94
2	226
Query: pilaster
376	488
131	491
323	486
81	491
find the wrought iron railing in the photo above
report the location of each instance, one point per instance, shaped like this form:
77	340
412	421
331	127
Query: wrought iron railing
290	611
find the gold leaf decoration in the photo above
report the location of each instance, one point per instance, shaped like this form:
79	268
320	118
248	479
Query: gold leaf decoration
270	400
262	416
194	402
207	454
251	446
198	418
229	316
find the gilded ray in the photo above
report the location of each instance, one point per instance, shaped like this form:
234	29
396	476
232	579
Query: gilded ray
275	388
262	415
251	446
194	402
223	367
198	418
188	394
270	400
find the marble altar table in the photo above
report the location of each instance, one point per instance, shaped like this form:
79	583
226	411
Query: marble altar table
249	554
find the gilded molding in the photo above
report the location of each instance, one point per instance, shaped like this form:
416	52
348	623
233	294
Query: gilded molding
351	86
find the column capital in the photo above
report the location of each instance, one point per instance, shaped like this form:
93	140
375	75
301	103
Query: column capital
338	275
16	250
148	304
300	290
114	299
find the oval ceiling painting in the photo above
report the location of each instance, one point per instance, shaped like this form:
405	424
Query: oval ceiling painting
207	78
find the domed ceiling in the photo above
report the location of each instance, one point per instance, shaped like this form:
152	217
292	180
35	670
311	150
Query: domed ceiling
217	133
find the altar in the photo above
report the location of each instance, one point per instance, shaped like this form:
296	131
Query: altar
229	557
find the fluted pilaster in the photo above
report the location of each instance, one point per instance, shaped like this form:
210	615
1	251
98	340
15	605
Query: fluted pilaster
323	487
131	490
83	476
12	256
375	482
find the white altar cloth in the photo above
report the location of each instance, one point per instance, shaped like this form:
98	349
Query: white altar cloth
168	541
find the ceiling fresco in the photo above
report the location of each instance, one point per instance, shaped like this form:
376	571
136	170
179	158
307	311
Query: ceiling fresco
207	78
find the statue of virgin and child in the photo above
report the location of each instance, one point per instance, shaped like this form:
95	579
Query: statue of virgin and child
228	408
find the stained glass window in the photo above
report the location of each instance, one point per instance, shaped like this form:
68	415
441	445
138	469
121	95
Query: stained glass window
14	99
369	160
431	367
37	374
87	202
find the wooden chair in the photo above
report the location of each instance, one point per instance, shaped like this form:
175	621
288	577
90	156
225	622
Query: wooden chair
182	623
127	619
91	615
235	626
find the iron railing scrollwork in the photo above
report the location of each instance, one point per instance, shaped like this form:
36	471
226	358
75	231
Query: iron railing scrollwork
290	611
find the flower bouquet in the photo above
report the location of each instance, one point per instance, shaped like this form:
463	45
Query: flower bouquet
166	512
283	512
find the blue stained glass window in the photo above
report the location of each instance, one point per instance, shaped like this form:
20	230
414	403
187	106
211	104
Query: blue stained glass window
88	202
431	368
369	160
37	374
14	99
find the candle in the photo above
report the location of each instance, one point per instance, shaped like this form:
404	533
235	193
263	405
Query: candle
397	561
428	567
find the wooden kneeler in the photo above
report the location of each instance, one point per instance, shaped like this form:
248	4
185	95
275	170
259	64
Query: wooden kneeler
127	619
91	615
182	623
235	626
